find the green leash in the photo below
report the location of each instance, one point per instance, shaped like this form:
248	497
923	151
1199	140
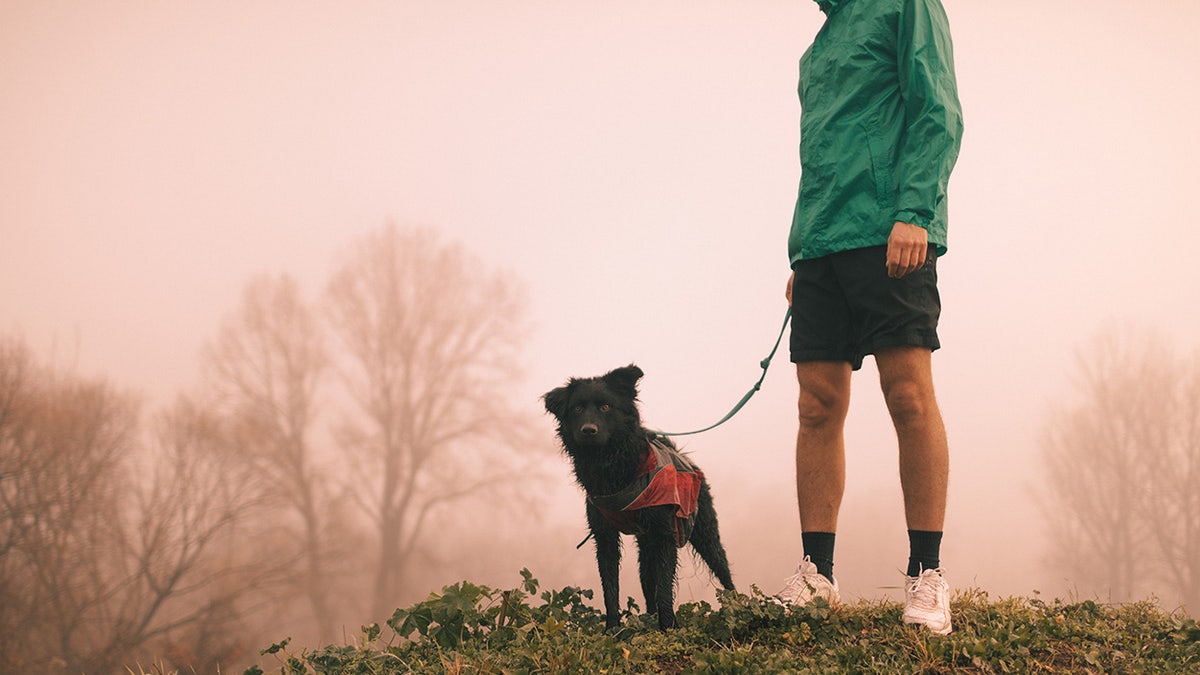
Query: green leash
764	364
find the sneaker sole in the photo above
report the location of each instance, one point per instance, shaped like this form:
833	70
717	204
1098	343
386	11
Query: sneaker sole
946	630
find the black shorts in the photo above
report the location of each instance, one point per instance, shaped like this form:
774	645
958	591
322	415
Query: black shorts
844	306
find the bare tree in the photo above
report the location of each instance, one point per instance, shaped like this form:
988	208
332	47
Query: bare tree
184	563
63	441
433	340
268	364
15	409
1171	505
1123	470
96	563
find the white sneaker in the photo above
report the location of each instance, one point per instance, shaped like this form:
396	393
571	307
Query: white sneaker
806	585
927	601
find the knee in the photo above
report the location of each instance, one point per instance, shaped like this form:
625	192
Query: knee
908	402
817	409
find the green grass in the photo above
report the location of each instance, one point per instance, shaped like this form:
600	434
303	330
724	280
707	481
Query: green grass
474	629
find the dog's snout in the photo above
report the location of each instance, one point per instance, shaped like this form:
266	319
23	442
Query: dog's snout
589	429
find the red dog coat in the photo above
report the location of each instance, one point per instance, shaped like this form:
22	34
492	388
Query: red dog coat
665	477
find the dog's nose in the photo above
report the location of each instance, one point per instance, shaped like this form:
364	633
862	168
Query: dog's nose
589	430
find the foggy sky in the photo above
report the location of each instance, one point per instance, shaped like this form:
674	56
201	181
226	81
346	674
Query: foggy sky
635	164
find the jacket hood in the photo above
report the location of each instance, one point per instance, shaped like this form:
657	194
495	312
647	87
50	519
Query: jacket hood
830	6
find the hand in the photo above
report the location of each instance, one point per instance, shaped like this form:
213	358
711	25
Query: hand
907	247
788	294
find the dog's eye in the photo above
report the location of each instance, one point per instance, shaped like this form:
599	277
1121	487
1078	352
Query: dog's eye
604	407
577	409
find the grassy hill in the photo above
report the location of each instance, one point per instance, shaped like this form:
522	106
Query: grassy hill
474	629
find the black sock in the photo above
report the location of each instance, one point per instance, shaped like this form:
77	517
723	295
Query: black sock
818	547
924	549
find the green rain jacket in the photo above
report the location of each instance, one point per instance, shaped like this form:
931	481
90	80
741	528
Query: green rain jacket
880	126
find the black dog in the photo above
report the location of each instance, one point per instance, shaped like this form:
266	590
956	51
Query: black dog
637	483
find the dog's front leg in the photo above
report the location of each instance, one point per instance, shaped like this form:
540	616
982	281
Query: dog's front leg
648	573
659	561
608	559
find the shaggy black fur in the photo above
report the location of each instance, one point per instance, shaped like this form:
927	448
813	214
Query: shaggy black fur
602	433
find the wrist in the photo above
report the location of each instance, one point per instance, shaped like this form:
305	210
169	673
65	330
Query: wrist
909	217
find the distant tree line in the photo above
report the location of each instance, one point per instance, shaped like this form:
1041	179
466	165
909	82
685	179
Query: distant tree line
304	479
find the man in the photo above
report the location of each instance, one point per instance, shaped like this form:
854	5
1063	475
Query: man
880	128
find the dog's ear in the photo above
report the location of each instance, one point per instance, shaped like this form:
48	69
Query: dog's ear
556	402
624	380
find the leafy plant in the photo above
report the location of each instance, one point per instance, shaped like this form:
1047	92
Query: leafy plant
471	628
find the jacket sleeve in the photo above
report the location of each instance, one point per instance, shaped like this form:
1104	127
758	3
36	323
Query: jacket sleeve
925	64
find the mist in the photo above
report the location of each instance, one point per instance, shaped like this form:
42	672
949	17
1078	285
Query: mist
632	167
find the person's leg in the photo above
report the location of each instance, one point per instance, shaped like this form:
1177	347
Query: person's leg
820	444
820	477
821	456
907	380
906	377
823	353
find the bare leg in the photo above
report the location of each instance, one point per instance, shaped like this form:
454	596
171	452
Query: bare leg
906	377
820	443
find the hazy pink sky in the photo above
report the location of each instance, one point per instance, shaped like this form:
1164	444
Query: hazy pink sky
635	164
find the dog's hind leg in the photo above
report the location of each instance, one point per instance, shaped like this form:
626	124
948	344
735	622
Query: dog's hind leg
608	560
706	539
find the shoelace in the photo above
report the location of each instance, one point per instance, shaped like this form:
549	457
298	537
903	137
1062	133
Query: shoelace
798	582
799	572
796	579
923	593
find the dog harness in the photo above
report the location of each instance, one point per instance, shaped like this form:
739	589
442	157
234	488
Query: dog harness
665	477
